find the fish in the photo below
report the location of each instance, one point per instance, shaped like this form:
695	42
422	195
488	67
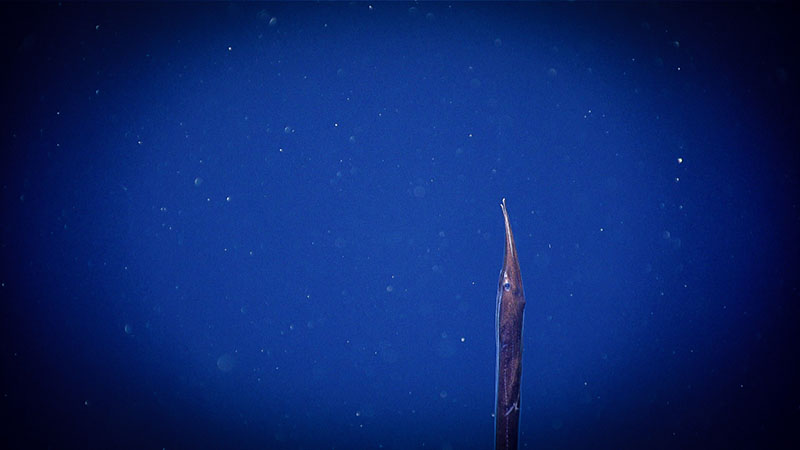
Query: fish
508	332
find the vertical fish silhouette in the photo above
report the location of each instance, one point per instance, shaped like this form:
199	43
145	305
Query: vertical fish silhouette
508	325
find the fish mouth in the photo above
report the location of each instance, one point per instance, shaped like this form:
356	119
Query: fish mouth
511	250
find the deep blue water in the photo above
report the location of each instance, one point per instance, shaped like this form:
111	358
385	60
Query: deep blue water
278	225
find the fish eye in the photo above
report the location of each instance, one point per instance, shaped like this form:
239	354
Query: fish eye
507	286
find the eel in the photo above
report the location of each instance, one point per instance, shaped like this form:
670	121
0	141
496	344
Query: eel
508	327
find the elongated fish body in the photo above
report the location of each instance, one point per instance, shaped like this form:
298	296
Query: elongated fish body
508	325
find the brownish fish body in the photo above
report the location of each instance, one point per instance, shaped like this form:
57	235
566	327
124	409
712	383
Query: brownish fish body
508	324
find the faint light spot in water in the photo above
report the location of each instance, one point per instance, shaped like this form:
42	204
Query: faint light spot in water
443	394
389	288
498	42
128	328
419	192
226	362
198	181
665	234
551	72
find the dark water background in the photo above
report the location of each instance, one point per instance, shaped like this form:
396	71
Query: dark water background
278	225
